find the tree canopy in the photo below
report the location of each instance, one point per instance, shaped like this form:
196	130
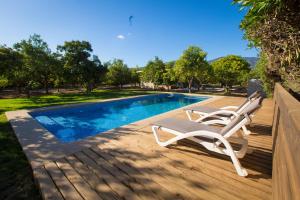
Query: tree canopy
153	71
80	65
118	73
191	65
38	61
230	70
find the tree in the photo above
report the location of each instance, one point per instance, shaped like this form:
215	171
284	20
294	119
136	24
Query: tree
153	72
14	71
191	65
38	59
79	66
92	73
135	75
118	73
169	77
273	26
230	70
11	67
259	72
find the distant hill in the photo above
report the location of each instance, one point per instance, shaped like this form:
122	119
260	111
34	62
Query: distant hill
251	60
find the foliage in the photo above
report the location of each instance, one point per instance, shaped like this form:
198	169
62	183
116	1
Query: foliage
39	63
273	25
78	64
3	81
118	73
259	72
12	68
169	76
8	59
135	76
192	65
230	70
153	71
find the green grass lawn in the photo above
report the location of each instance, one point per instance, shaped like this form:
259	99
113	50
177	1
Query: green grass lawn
16	181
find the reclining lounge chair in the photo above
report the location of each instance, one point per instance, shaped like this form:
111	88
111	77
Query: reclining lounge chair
224	114
211	137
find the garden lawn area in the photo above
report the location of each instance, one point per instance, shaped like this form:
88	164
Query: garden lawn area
16	181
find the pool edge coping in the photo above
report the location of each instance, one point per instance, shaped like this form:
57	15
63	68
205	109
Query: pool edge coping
41	146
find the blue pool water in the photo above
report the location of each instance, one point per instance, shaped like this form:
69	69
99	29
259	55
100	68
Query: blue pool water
77	122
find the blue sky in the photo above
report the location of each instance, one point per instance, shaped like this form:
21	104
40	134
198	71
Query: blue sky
162	28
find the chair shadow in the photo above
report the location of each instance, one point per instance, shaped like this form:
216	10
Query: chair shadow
259	161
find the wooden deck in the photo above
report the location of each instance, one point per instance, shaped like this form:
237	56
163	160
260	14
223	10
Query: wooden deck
133	166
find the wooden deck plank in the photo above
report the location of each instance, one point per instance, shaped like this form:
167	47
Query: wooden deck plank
140	176
97	183
139	189
136	177
189	172
118	187
65	187
199	188
79	183
46	184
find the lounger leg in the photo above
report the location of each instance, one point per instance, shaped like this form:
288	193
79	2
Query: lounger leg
156	136
236	163
246	131
189	114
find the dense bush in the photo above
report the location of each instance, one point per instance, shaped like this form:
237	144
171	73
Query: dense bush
274	26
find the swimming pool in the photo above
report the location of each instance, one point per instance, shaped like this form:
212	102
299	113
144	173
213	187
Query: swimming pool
73	123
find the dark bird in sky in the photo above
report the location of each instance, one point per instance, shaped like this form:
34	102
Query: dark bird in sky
130	20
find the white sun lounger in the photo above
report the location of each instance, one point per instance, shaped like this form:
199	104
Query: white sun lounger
223	114
211	137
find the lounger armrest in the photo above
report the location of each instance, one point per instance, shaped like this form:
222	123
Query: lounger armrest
229	108
217	113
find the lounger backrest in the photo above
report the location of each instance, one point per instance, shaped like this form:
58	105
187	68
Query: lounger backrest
244	116
252	97
253	106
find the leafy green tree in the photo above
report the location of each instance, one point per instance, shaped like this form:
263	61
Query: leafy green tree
93	73
75	56
153	71
259	72
38	60
80	67
191	65
11	67
273	26
230	70
3	81
169	77
135	76
118	73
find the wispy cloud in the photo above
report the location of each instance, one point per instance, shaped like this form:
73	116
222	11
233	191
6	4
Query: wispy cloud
121	37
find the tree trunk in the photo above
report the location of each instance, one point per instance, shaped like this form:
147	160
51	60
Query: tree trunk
28	93
46	86
190	85
19	88
226	89
89	88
